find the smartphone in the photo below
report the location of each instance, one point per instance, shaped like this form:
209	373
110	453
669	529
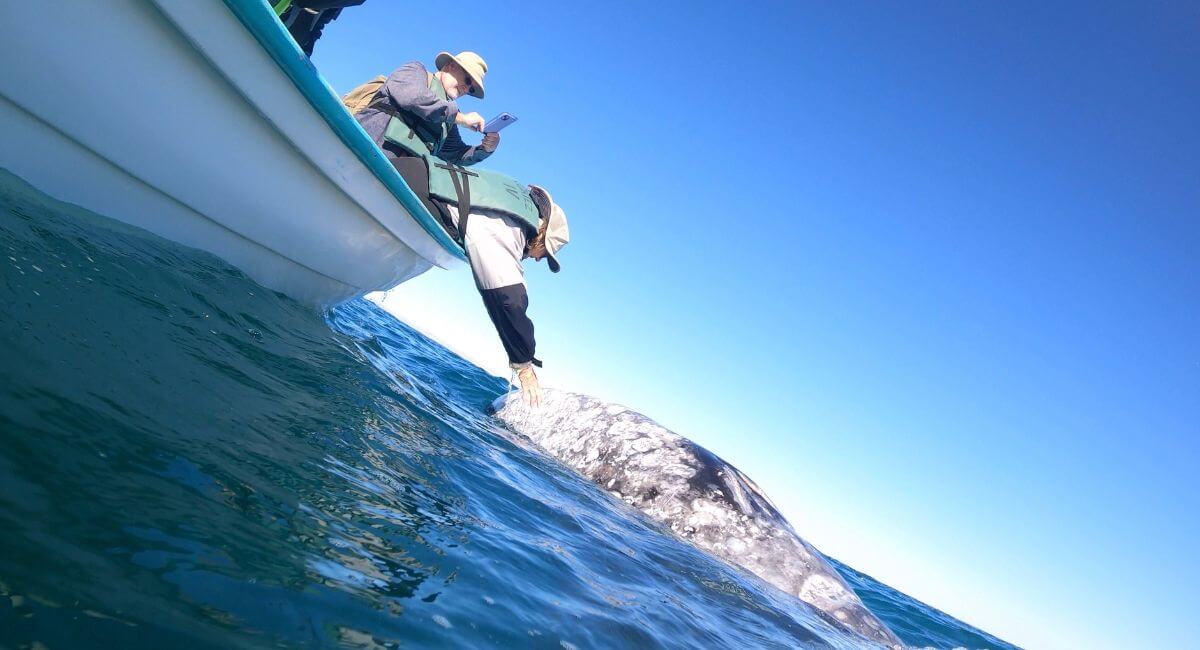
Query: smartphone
499	122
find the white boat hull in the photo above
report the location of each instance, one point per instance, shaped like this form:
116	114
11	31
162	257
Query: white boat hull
170	116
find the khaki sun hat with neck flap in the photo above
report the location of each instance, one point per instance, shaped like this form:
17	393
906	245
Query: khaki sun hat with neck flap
557	233
471	62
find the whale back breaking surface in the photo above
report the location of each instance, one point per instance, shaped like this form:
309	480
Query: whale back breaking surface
700	497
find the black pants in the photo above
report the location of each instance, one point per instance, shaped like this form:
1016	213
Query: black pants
414	172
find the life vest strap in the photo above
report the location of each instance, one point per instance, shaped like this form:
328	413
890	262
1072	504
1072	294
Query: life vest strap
462	187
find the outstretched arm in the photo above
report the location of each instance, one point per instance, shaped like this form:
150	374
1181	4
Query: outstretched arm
495	246
506	306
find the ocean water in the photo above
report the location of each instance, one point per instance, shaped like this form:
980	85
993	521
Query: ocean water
190	460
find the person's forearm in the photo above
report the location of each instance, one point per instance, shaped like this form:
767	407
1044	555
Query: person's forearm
506	307
473	155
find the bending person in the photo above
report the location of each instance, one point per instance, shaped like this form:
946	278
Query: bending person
502	224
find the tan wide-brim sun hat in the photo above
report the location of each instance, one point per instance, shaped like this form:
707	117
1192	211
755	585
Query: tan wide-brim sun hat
557	233
474	64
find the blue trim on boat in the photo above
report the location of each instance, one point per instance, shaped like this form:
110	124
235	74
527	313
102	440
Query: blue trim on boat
259	19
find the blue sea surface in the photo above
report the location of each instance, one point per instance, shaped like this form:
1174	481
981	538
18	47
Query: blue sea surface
190	460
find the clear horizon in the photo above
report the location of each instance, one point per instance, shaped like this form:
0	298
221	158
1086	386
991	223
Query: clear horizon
927	274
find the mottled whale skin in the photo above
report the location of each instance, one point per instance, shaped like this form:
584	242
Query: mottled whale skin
703	499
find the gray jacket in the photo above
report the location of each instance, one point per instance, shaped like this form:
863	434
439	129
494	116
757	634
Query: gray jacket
408	90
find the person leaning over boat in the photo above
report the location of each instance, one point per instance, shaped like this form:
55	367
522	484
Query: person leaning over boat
499	222
505	224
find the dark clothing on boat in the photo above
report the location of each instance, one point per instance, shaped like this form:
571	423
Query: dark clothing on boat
415	174
305	19
407	90
495	245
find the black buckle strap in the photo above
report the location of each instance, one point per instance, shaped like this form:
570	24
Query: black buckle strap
462	187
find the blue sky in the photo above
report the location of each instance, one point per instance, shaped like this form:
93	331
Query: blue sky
927	272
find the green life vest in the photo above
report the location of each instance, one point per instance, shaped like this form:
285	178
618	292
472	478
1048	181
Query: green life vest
424	139
486	189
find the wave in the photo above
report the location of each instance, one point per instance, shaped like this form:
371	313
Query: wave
190	460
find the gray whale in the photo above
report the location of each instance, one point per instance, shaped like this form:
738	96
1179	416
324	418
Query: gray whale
703	499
